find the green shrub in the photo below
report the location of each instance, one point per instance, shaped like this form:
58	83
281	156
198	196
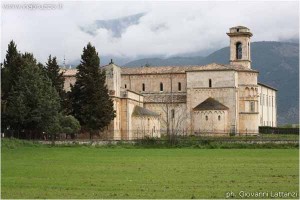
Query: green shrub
12	143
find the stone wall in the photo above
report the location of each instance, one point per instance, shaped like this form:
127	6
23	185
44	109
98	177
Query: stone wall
152	83
201	79
267	106
113	78
176	122
69	80
145	127
210	121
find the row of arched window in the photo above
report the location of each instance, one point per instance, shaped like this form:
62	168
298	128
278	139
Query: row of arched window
161	86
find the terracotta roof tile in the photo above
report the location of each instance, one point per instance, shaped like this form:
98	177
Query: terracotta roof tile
182	69
141	112
172	69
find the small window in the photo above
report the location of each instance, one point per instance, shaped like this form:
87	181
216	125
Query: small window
173	113
219	118
161	87
179	86
260	99
252	106
143	87
238	30
206	117
125	86
248	50
209	82
239	50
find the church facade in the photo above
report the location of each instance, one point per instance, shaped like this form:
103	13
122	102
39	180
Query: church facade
186	100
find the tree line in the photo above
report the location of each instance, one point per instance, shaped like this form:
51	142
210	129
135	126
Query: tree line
34	104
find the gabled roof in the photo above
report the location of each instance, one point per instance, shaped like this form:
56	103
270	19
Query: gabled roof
211	104
143	112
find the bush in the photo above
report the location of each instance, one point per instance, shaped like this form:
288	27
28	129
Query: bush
12	143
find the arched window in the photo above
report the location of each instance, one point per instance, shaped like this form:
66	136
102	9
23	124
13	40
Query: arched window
209	83
239	51
252	106
161	87
125	86
179	86
143	87
219	117
206	117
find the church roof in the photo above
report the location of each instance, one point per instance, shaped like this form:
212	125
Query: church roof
172	69
183	69
267	86
211	104
143	112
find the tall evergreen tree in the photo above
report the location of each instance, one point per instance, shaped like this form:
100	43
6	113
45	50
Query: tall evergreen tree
33	102
10	72
11	69
91	103
56	76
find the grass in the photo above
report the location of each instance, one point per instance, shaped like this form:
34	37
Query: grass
36	171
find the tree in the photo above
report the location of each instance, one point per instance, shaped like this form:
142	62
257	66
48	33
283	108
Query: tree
9	75
56	76
69	125
11	69
32	103
91	103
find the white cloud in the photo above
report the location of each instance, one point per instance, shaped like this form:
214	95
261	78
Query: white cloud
167	28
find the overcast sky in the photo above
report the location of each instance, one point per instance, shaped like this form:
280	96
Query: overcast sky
132	29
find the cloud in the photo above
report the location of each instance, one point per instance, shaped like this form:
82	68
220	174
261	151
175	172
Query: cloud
135	29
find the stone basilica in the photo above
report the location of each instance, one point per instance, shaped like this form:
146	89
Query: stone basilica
211	99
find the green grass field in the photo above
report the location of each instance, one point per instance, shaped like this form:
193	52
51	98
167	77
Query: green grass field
87	172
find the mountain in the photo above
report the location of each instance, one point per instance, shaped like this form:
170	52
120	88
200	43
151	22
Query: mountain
277	63
115	26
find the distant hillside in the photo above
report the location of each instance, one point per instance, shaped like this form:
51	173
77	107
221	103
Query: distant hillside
277	62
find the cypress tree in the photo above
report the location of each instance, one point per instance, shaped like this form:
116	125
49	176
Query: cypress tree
10	72
91	103
56	76
11	69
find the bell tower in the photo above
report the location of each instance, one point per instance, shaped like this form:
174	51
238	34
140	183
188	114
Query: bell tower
240	46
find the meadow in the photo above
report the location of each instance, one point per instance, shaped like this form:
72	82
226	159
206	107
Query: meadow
40	171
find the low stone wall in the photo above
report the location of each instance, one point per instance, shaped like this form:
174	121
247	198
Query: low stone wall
85	142
116	142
